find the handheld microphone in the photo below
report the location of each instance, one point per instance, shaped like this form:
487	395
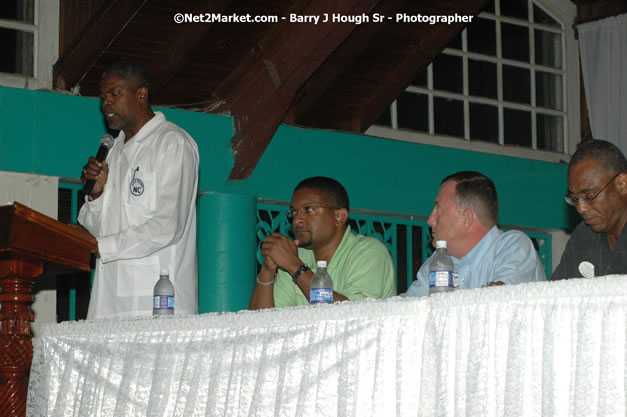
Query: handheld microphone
106	142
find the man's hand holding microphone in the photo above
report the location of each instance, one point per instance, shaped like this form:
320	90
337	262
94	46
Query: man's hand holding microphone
96	171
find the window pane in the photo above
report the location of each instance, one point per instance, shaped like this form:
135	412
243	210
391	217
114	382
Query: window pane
421	79
385	118
520	117
16	52
484	122
515	42
549	92
21	10
448	73
517	127
481	36
489	7
548	48
482	78
456	43
540	16
515	8
448	117
516	84
412	111
550	132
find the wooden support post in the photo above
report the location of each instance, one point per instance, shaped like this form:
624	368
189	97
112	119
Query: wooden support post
16	346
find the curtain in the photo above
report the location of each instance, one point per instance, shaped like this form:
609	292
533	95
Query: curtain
603	47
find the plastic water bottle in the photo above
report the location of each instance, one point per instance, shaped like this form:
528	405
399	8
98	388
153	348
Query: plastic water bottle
441	270
163	295
321	288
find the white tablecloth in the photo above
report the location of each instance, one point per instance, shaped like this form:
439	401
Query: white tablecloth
541	349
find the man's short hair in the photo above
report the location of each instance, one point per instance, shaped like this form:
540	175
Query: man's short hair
332	189
607	155
476	191
129	70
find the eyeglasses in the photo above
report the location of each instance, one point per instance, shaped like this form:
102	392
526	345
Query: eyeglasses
573	199
307	210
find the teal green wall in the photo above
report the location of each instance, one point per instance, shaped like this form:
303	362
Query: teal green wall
401	177
53	134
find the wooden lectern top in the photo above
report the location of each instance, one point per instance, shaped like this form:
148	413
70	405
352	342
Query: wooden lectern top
28	235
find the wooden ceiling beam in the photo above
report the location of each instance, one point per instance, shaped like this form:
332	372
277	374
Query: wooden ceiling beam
418	54
354	45
589	11
246	75
260	91
166	63
100	32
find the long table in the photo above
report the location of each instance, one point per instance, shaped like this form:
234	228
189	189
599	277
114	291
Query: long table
540	349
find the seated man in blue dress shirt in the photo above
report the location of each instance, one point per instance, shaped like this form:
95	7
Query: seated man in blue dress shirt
465	215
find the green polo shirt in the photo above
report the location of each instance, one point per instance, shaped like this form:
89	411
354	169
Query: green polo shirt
361	267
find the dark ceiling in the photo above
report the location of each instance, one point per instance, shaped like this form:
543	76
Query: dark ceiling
332	75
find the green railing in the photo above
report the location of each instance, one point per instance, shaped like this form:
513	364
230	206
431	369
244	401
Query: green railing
73	189
407	238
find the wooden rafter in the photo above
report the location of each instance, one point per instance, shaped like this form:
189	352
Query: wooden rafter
103	28
403	66
169	61
353	46
326	75
260	92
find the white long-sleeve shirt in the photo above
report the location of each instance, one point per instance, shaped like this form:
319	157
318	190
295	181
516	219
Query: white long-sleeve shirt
145	221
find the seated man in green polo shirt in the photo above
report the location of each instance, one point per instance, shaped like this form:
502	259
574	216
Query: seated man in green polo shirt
361	267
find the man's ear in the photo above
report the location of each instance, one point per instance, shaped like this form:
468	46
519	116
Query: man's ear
468	217
341	216
142	94
621	183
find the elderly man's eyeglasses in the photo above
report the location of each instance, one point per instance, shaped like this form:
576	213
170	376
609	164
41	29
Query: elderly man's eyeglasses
307	210
573	199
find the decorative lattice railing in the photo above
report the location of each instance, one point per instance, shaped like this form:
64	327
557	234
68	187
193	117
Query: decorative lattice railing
407	238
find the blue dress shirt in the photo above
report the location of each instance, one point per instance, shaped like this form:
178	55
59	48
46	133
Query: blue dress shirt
499	256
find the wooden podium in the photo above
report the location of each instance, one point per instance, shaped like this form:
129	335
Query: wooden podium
29	241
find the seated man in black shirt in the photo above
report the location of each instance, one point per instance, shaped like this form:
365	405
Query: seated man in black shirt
597	187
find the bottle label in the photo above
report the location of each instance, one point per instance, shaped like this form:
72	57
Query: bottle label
442	279
321	295
165	302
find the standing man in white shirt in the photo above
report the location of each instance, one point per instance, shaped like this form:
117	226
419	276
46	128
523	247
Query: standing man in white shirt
142	209
465	215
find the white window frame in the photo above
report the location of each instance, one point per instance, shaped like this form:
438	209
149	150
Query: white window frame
45	30
563	11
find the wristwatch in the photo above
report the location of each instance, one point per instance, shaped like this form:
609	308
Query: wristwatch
300	270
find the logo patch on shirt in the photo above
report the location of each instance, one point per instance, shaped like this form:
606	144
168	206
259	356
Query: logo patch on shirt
137	187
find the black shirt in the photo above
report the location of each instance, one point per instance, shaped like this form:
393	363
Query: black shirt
587	245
